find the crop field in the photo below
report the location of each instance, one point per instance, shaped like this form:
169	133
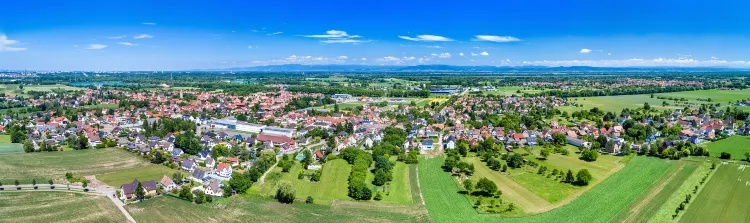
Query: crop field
9	148
27	88
164	209
54	165
724	198
47	206
735	145
600	204
332	186
716	95
152	172
655	197
617	103
665	212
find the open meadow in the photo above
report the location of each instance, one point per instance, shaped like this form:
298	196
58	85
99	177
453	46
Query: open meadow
166	209
151	172
735	145
57	206
617	103
43	166
332	186
724	198
600	204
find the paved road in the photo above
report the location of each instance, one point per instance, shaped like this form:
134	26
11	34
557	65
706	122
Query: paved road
100	191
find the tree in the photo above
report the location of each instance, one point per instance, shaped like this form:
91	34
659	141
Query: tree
285	193
308	159
378	196
747	156
544	153
158	158
83	141
468	185
17	183
200	197
381	177
240	183
515	160
28	146
487	186
583	177
589	155
139	192
33	182
559	139
725	155
569	178
185	193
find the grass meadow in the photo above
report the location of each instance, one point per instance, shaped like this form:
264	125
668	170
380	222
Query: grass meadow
9	148
57	206
602	203
332	186
735	145
152	172
43	166
724	198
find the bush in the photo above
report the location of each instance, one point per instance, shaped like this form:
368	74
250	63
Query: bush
379	196
725	155
583	177
285	193
309	200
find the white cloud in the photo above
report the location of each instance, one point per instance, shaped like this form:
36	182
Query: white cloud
389	58
364	59
409	58
149	23
95	46
461	54
426	38
127	44
474	54
275	33
609	54
5	44
337	36
484	53
342	57
116	37
499	39
714	58
585	51
444	55
143	36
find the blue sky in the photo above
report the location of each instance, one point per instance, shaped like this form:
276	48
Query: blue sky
173	35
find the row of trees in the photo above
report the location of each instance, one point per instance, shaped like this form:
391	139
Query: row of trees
361	161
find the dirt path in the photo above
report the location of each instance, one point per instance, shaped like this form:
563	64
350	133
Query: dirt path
263	178
632	212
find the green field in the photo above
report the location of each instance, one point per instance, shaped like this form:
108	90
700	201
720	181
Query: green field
58	206
164	209
724	198
152	172
399	189
519	195
27	88
332	186
665	212
617	103
9	148
735	145
649	203
600	204
54	165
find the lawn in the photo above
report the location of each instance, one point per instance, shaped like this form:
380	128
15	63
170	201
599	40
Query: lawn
399	189
600	204
164	209
723	199
152	172
735	145
53	165
649	203
58	206
9	148
332	186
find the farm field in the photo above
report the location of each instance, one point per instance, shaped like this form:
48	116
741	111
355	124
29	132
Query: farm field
332	186
665	212
655	197
27	88
735	145
54	165
617	103
152	172
716	95
164	209
724	198
600	204
9	148
47	206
